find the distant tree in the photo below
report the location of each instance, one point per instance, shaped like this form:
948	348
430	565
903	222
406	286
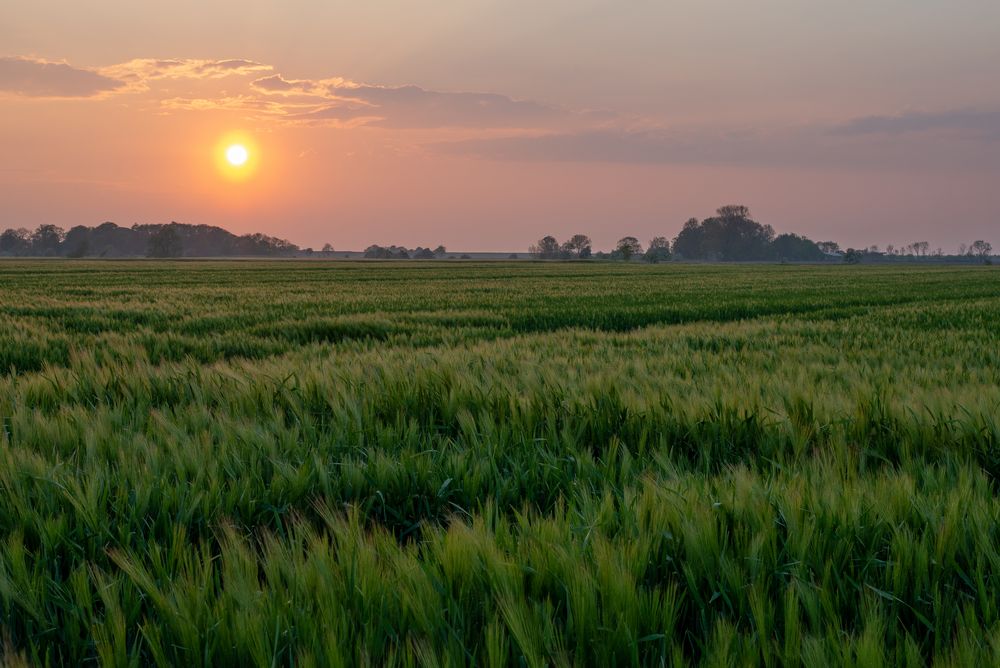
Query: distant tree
80	249
829	247
259	244
578	246
852	256
423	254
658	251
920	248
547	248
729	235
981	249
440	251
733	212
628	247
733	235
688	242
46	239
327	248
76	243
963	249
15	242
794	248
387	252
165	242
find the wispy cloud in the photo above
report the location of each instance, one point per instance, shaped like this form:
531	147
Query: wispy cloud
409	106
36	77
804	147
139	72
969	121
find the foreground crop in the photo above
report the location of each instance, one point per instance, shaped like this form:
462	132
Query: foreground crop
299	463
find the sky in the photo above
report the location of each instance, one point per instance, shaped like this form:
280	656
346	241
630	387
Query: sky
486	124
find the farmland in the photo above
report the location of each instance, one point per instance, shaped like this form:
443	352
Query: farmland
309	463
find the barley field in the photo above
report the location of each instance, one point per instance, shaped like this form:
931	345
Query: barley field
498	464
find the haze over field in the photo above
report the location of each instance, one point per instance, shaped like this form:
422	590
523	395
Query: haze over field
480	124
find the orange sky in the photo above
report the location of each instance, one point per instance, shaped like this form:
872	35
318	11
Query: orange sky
484	125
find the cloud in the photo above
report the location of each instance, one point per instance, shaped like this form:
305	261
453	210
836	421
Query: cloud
407	107
139	71
968	121
235	102
33	77
329	101
415	107
278	85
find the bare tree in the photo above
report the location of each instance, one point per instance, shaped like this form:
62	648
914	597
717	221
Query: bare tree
981	249
579	246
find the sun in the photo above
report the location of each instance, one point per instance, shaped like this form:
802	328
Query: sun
237	155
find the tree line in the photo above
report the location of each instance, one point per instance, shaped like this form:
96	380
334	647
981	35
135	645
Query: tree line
402	253
732	235
170	240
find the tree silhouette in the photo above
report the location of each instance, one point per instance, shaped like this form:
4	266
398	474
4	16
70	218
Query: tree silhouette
628	247
658	251
547	248
687	243
165	242
578	246
46	239
981	249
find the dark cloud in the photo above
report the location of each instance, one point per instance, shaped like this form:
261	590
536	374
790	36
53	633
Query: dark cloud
33	77
968	121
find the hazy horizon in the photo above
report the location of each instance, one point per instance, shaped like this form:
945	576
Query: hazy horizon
484	125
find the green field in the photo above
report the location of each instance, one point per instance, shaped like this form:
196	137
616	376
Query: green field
307	463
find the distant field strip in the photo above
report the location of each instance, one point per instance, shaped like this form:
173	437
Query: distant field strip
308	463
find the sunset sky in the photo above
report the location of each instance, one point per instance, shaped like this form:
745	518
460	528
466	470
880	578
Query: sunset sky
484	124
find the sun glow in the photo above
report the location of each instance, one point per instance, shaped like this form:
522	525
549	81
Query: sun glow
237	155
